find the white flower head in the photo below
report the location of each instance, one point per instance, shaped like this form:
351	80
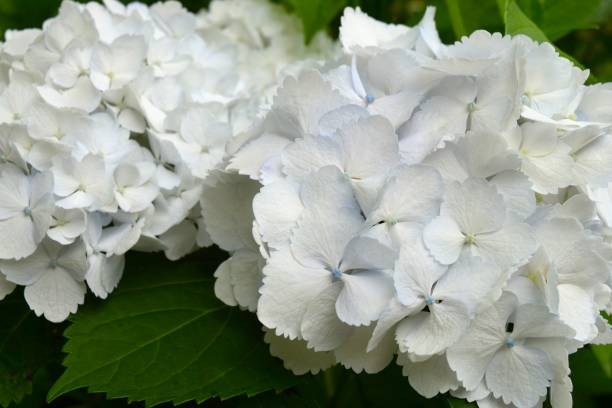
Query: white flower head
112	120
448	204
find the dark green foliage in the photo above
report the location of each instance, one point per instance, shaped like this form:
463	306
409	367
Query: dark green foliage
164	336
28	345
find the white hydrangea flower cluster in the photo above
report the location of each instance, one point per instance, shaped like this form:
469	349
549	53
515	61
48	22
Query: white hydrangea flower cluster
445	204
112	118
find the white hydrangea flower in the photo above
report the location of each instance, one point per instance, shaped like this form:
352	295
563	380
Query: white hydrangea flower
113	119
26	206
512	348
448	204
53	277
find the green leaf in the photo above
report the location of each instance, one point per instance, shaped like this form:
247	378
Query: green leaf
456	18
603	354
27	345
163	336
591	385
518	23
388	388
557	18
316	14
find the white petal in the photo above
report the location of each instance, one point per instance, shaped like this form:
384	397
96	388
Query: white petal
483	154
363	253
67	225
305	100
536	321
475	205
412	194
450	165
352	353
104	273
246	276
369	147
430	377
277	208
19	238
332	121
6	287
136	199
363	298
551	172
444	239
390	316
473	281
397	108
438	119
287	291
328	190
14	190
319	239
321	327
592	165
227	209
429	333
330	220
251	157
471	355
179	240
531	369
55	295
516	190
415	273
307	155
82	96
28	270
577	309
223	284
296	356
511	246
358	30
120	238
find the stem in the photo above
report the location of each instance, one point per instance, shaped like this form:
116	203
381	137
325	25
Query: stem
456	18
329	381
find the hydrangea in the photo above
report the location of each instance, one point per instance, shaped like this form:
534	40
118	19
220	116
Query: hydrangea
113	119
447	206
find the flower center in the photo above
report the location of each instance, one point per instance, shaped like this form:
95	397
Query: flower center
471	107
538	276
27	211
53	264
429	301
470	239
369	99
391	221
336	273
510	342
